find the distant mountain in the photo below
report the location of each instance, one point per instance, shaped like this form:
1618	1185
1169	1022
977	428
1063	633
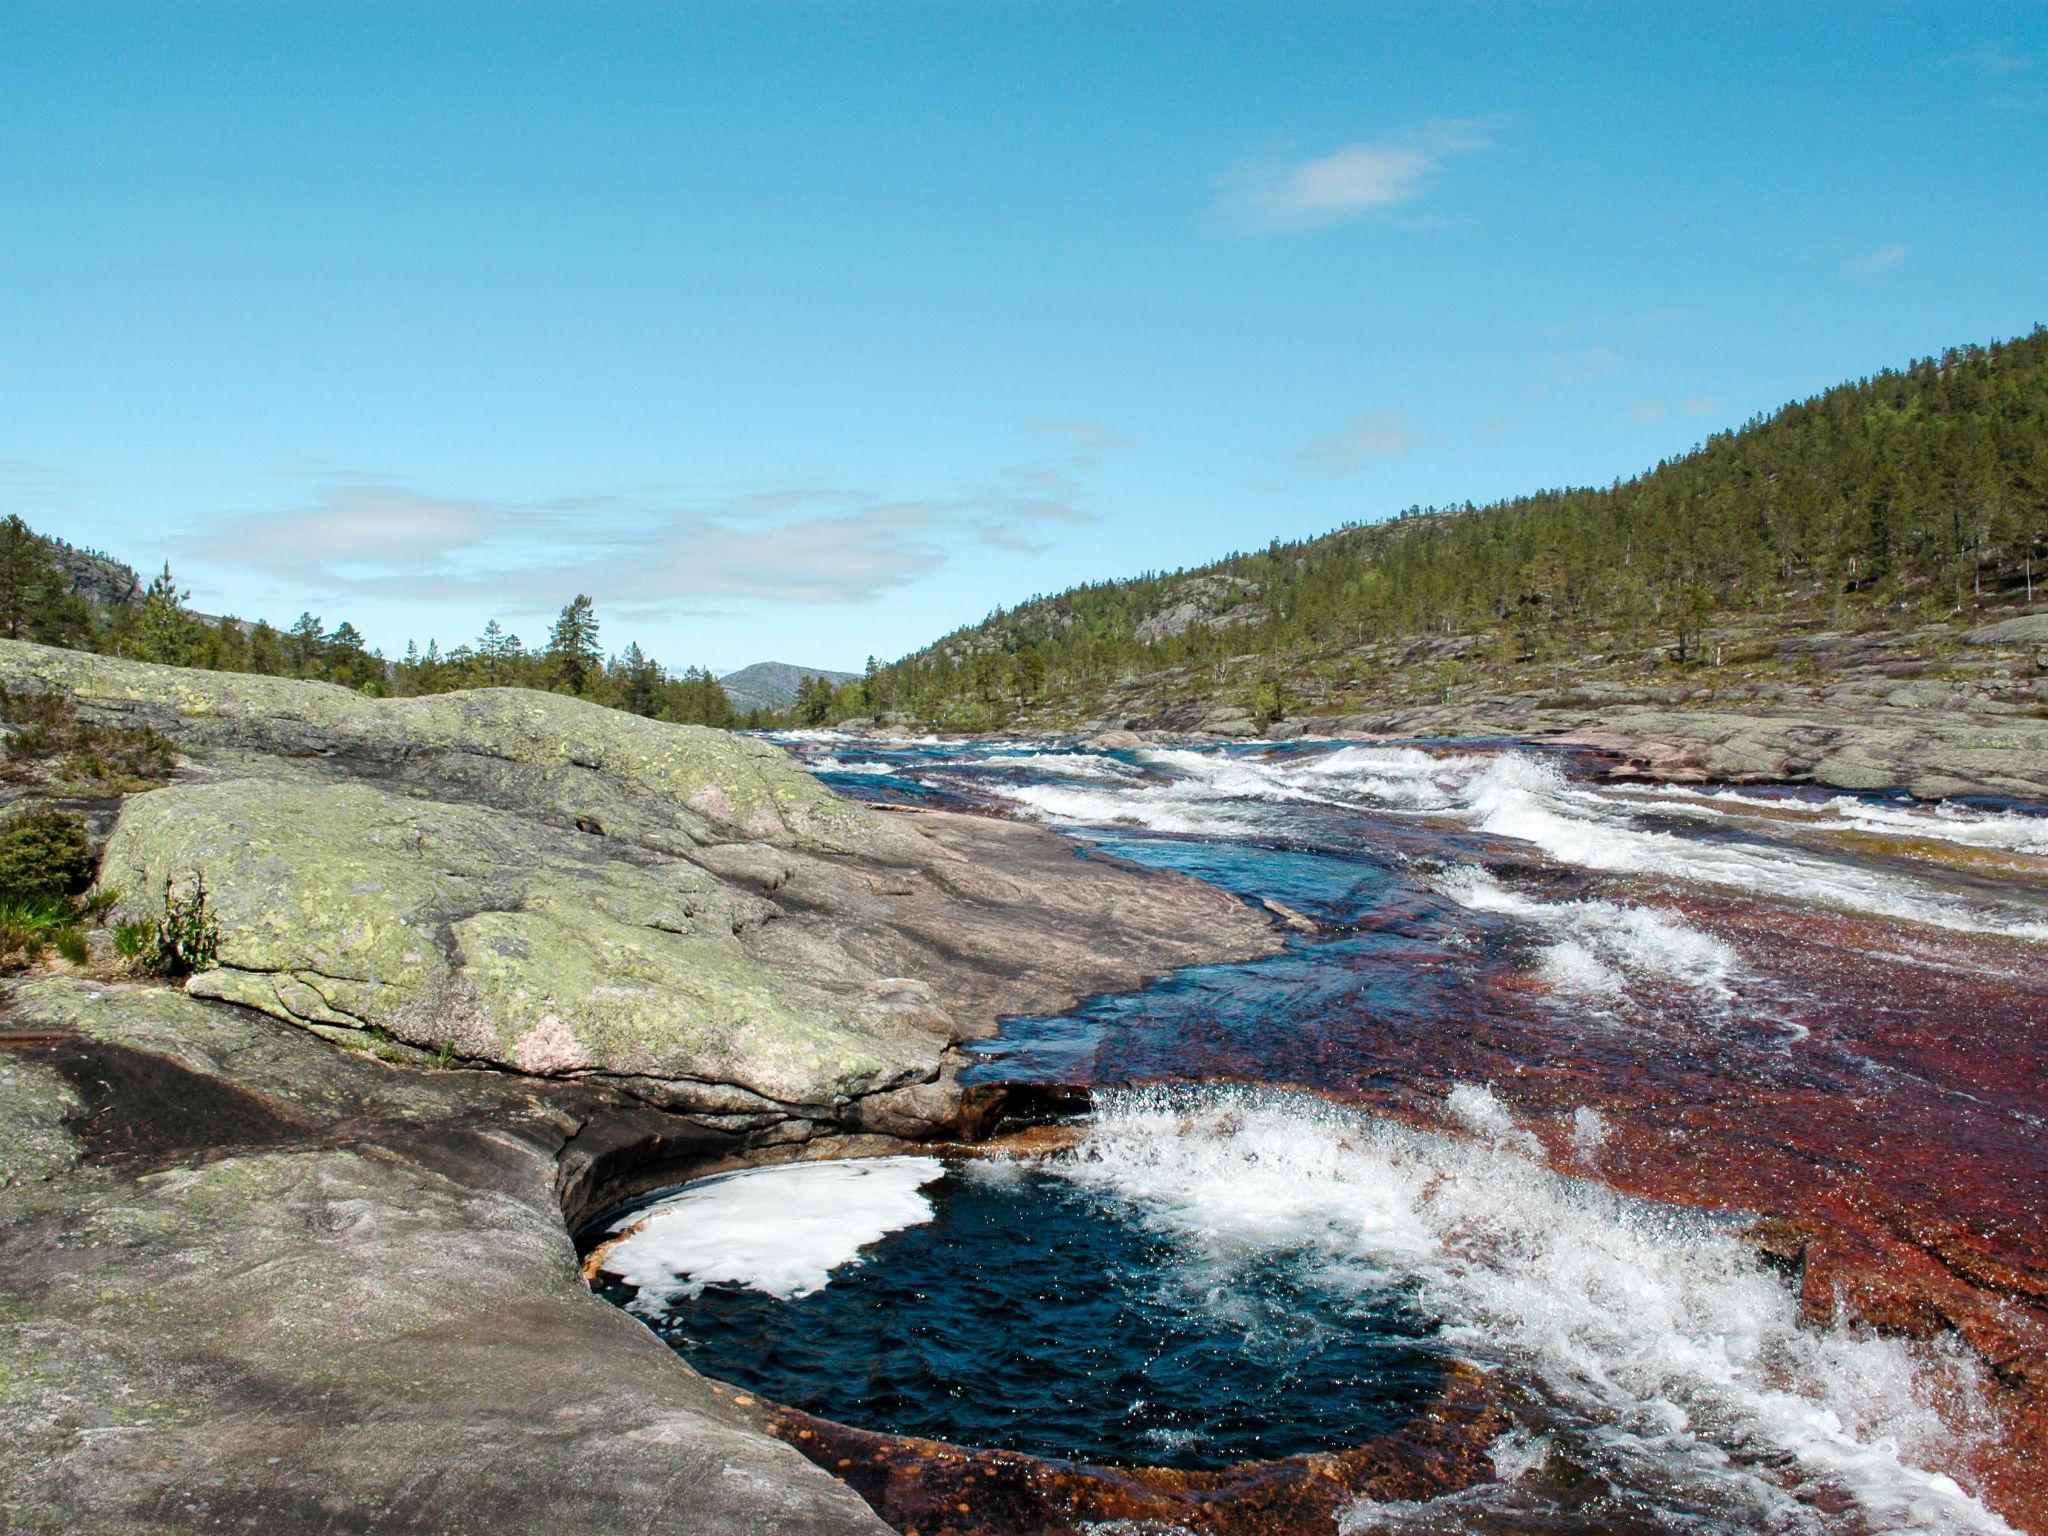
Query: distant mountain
773	684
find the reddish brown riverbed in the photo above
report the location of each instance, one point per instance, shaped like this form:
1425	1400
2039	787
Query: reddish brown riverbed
1826	1019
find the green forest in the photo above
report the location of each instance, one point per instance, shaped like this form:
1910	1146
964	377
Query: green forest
1921	492
37	602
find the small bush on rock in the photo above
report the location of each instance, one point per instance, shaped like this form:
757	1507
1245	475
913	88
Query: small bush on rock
52	746
29	927
187	934
44	856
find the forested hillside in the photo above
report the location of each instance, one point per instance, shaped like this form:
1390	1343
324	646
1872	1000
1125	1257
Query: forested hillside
1911	497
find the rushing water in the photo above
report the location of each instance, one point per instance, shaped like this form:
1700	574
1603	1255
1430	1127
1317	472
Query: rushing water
1540	1055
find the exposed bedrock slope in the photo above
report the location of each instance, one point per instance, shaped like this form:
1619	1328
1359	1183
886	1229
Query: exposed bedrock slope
544	885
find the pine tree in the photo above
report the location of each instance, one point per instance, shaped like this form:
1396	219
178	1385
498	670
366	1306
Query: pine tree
639	683
573	657
304	644
494	653
24	577
163	629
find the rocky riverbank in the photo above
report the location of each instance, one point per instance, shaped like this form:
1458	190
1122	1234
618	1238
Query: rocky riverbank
1931	710
286	1249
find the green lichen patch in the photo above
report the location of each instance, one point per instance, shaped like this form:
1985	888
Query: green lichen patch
473	931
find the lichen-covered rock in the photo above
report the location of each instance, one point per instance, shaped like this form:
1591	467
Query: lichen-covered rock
2028	629
668	787
472	931
535	882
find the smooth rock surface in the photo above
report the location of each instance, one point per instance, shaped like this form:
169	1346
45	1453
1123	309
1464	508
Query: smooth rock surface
258	1284
534	882
256	1277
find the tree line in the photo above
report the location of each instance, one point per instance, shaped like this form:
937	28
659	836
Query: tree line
38	602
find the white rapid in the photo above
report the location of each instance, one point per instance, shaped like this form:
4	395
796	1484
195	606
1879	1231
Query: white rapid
1667	1358
1728	842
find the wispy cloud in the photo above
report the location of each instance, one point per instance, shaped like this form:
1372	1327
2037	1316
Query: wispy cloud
27	488
1882	259
650	552
1369	177
1691	405
1992	59
1564	370
1368	439
1089	441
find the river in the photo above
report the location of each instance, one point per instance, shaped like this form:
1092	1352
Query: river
1683	1144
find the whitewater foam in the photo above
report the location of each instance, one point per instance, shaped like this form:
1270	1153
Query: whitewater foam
1521	797
1663	1338
2022	832
779	1230
1598	946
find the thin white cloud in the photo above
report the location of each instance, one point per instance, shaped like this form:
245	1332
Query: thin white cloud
652	553
1089	439
34	488
360	524
1691	405
1628	324
1882	259
1992	59
1372	438
1565	370
1369	177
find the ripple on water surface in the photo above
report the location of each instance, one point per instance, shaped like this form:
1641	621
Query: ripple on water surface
1021	1310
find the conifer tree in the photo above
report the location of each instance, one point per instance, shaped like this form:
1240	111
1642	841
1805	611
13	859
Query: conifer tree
573	657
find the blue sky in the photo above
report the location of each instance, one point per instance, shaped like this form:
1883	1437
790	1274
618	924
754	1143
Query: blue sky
812	331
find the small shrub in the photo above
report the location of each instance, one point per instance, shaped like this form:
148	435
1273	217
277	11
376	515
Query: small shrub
71	945
54	746
44	855
28	927
134	938
187	935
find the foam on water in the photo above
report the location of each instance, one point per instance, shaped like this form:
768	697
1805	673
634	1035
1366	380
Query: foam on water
2024	832
2005	831
1156	810
1221	794
779	1230
1521	797
1600	946
864	766
1667	1348
1517	795
1067	765
1392	777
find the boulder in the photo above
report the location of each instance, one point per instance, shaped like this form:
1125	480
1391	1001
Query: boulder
560	759
2024	632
